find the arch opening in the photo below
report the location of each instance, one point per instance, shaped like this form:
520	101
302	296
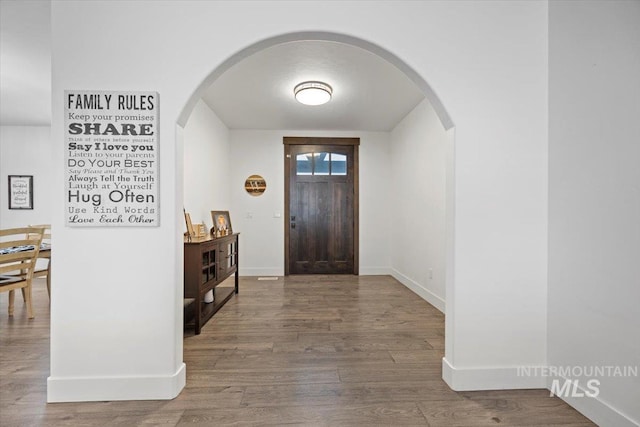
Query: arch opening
420	82
428	92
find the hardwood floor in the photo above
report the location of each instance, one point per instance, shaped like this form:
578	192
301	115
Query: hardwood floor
305	350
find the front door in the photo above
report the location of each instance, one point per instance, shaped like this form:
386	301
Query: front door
321	224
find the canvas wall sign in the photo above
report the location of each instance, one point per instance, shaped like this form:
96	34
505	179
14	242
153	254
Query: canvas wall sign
112	158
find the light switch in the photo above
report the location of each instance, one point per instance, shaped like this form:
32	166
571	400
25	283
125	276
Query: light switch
277	215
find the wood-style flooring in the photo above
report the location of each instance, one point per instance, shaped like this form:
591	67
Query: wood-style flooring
305	350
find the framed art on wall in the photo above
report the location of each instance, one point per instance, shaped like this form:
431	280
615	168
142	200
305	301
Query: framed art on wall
20	191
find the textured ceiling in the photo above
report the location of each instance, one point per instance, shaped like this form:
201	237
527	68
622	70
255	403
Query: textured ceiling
369	93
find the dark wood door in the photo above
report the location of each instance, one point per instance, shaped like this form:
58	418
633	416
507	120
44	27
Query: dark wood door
321	221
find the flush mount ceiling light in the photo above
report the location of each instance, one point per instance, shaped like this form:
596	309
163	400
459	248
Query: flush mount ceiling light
313	93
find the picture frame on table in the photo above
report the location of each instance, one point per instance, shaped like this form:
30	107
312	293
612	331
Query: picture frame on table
187	219
221	223
20	191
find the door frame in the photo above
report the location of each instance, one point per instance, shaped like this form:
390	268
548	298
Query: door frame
294	140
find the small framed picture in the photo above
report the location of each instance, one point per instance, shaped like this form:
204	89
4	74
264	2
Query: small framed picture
20	191
221	223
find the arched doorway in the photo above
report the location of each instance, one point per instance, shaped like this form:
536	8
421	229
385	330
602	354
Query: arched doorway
420	82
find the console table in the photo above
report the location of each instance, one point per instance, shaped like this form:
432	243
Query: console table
207	263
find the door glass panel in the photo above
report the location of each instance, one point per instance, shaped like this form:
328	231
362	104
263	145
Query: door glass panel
321	163
338	164
303	164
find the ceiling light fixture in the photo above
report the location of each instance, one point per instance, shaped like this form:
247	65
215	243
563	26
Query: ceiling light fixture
313	93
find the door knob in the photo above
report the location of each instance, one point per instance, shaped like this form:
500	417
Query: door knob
293	225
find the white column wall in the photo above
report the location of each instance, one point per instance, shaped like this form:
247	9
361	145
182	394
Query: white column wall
594	212
485	60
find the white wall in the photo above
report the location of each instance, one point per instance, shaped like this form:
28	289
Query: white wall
594	206
262	239
206	165
26	150
487	61
418	170
375	209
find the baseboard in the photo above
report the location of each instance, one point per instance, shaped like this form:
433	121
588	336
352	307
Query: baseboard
267	271
374	271
363	271
419	289
473	379
594	408
116	388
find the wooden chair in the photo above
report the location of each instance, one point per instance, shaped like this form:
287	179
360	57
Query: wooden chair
45	253
19	248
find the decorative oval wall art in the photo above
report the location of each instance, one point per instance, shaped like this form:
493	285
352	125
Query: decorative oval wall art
255	185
